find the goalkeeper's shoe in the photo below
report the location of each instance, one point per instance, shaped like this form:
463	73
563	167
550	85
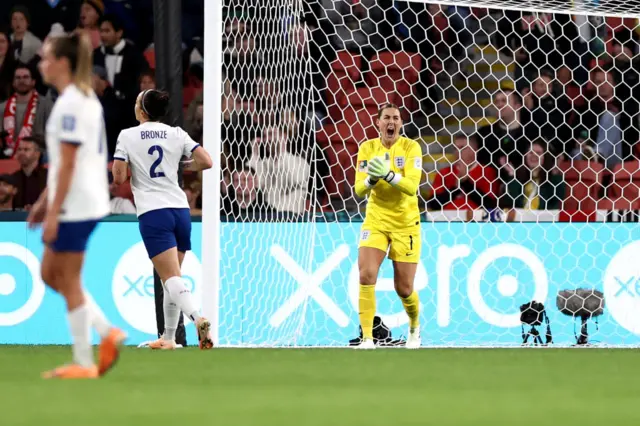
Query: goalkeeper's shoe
163	344
110	350
366	344
204	333
414	341
72	371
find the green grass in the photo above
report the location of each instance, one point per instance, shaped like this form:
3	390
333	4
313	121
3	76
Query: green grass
327	387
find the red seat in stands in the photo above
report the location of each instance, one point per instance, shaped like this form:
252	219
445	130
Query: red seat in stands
345	72
624	192
583	181
339	143
368	98
8	167
396	72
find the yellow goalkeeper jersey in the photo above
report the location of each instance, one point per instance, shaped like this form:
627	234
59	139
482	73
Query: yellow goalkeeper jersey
391	207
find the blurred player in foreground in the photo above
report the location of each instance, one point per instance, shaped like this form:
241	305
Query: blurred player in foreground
153	151
389	172
76	198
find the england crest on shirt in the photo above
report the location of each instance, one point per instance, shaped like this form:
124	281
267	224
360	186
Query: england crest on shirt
399	162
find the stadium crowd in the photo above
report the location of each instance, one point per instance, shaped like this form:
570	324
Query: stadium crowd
560	136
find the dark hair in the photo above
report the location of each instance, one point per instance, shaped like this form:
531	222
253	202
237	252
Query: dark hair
471	139
151	73
22	66
523	173
510	92
386	106
155	103
76	47
115	22
20	8
35	139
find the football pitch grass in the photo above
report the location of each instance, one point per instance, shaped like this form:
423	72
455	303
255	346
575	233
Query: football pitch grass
283	387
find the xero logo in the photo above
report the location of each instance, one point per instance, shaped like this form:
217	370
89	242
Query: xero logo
622	287
11	279
132	286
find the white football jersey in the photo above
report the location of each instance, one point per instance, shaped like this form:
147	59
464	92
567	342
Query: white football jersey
77	118
153	151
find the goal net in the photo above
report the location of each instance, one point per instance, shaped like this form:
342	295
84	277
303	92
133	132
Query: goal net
528	117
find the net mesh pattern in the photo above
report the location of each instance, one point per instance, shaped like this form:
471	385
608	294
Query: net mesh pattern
526	112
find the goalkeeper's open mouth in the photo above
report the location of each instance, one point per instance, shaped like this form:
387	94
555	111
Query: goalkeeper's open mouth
390	132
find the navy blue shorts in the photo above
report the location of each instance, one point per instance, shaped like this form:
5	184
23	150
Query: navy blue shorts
73	236
163	229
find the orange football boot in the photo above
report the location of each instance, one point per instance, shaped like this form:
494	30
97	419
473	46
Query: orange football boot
72	371
110	350
162	344
204	333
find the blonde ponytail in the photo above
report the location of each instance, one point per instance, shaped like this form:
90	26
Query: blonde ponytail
83	74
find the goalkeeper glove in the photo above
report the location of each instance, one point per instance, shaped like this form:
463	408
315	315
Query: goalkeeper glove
379	169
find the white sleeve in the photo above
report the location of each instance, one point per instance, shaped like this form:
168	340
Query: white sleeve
121	149
188	144
73	127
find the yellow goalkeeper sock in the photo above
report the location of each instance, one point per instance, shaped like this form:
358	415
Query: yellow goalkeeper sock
412	308
367	309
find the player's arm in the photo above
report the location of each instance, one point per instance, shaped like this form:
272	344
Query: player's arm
201	159
38	210
364	182
410	182
193	150
68	154
407	184
120	162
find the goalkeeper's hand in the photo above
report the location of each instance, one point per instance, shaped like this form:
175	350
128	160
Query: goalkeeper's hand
379	169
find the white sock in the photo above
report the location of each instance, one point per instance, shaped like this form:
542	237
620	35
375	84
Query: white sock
80	325
181	296
171	317
98	320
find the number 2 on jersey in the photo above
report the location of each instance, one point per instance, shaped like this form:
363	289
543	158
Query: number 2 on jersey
154	166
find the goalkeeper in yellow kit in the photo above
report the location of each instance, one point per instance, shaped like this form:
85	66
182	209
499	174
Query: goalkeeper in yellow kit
388	172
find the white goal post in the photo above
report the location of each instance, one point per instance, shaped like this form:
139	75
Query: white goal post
528	115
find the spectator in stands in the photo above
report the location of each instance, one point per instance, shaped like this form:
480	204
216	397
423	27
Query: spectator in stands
364	27
194	119
505	139
466	184
24	44
537	40
546	113
282	176
7	66
244	201
119	205
123	62
20	112
114	118
148	80
194	197
538	185
31	179
604	121
8	191
91	13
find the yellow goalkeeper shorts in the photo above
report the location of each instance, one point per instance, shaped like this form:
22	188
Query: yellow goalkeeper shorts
403	246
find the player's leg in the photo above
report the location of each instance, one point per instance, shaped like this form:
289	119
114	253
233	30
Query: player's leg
405	254
171	314
183	243
61	271
161	230
371	253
